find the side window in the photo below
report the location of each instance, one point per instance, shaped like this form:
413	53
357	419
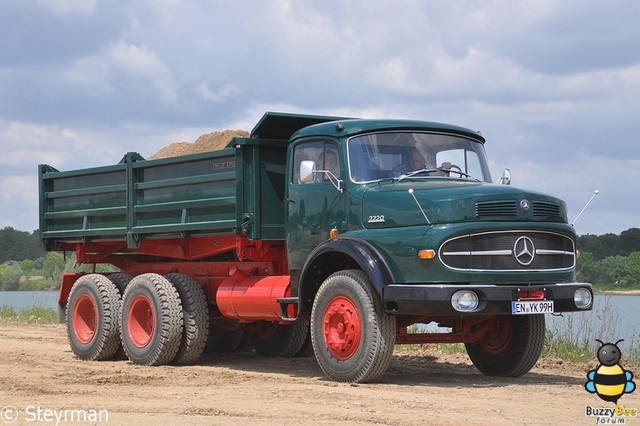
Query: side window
324	154
329	161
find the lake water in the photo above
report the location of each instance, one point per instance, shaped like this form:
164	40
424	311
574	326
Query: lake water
21	300
614	317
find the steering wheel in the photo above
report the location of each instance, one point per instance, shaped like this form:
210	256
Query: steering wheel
449	168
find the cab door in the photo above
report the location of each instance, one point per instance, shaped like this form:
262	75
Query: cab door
314	207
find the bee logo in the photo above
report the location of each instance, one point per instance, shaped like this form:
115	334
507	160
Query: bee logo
609	380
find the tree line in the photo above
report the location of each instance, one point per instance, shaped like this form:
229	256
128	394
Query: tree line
25	265
607	245
19	245
608	261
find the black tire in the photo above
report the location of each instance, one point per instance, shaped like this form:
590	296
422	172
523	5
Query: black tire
244	345
195	318
121	280
307	347
151	320
352	340
225	341
512	349
92	318
278	340
62	312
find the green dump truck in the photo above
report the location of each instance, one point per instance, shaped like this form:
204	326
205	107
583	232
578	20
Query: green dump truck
315	235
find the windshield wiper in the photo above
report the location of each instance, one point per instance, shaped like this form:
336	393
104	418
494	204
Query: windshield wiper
417	172
446	173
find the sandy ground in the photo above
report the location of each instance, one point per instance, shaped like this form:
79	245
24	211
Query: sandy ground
39	375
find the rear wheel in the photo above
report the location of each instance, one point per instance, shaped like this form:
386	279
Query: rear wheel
151	320
195	318
121	280
307	347
352	340
92	318
225	341
277	340
512	348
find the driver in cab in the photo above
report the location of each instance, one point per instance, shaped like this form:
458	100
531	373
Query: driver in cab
414	161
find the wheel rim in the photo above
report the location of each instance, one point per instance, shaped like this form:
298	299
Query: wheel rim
85	319
341	327
497	341
141	321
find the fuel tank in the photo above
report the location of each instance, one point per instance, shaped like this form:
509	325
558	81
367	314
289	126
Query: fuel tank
252	298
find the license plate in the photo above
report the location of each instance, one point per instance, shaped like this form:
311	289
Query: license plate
532	307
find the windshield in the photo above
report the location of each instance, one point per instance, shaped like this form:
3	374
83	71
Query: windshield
415	155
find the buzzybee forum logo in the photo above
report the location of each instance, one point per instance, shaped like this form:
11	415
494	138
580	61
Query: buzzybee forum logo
609	380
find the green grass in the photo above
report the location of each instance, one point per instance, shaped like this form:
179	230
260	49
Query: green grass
633	355
566	347
32	315
451	348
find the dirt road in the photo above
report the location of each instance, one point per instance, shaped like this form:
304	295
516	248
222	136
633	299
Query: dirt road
42	380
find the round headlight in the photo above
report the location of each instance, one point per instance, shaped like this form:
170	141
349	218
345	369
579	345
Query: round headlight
582	298
465	301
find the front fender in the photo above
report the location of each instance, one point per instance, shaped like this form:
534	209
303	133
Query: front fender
338	254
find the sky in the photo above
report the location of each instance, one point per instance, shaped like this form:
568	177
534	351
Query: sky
553	85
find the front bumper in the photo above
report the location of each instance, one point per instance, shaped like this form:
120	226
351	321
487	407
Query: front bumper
435	299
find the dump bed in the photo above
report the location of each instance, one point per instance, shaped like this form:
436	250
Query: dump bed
195	194
237	190
136	199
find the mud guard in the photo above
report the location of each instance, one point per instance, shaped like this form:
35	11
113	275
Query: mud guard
363	254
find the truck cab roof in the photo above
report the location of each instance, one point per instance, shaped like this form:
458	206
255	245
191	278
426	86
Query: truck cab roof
275	125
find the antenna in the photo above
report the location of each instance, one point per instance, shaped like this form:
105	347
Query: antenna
595	192
410	191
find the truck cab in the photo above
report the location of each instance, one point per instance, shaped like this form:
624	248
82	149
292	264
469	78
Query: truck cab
411	206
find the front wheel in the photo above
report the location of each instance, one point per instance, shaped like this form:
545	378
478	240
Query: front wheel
512	348
352	340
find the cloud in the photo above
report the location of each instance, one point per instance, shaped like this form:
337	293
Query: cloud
19	201
92	75
142	65
69	7
26	144
218	96
552	85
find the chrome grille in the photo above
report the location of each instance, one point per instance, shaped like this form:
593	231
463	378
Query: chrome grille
509	251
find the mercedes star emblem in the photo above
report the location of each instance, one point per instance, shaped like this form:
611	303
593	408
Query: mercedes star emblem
524	205
524	250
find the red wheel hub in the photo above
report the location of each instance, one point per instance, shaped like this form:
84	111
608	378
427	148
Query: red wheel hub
141	321
497	340
85	319
341	327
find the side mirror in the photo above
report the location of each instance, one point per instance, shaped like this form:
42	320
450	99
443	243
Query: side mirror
307	171
506	177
